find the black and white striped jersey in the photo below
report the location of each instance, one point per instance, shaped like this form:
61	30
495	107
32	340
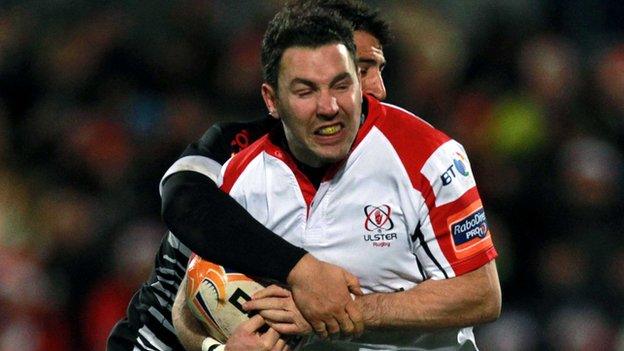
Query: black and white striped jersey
147	325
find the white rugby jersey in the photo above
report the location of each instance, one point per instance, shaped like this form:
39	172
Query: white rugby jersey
402	208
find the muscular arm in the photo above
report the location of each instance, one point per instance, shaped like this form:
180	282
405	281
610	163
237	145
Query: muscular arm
216	227
466	300
470	299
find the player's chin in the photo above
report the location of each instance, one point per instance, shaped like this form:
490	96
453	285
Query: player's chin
328	159
329	154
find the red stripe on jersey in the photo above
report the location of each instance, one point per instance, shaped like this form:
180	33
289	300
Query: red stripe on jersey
475	262
239	162
415	141
439	220
374	112
307	189
476	255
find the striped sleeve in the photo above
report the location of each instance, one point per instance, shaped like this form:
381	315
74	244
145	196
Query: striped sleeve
454	235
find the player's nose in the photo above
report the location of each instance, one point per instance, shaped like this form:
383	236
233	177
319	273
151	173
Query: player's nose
327	105
375	86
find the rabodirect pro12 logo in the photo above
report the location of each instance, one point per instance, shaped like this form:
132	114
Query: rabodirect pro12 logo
469	231
472	227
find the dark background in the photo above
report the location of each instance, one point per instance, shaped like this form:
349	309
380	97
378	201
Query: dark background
98	98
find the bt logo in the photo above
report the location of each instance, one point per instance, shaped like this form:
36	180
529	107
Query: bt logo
458	166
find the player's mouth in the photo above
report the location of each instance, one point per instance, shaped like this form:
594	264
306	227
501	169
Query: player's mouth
328	131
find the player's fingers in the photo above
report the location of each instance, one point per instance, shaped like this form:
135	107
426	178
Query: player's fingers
253	323
333	328
277	315
266	303
279	345
353	283
271	291
284	328
269	338
356	317
320	329
346	324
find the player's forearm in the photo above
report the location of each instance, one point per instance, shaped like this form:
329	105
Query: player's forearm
188	329
217	228
467	300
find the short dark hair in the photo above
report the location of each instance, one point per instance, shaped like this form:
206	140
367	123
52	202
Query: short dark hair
361	16
305	27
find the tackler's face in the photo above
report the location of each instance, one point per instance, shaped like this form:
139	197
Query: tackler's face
371	62
319	100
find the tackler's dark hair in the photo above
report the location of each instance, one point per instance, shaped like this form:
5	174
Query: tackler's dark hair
361	16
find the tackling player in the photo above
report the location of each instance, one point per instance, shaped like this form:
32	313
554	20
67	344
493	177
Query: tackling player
216	227
342	163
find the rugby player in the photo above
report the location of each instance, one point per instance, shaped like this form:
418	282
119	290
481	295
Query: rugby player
214	226
424	254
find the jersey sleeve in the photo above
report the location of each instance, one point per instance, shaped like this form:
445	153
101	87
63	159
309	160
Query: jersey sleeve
454	237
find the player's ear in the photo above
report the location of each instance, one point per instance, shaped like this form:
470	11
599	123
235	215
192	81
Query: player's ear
269	95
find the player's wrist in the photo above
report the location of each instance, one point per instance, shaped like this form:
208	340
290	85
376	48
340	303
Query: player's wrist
210	344
302	269
370	305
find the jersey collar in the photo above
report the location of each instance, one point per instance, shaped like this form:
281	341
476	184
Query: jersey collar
372	111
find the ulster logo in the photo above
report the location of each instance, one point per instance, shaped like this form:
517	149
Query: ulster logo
378	220
378	217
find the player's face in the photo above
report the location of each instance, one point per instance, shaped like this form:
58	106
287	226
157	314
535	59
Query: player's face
319	101
371	62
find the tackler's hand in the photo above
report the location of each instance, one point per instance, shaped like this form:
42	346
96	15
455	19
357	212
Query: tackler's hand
322	292
278	308
247	337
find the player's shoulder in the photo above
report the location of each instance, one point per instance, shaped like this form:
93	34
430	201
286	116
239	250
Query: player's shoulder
238	163
233	127
410	135
237	134
400	120
427	153
223	139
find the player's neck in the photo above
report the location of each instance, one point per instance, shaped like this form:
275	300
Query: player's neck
314	174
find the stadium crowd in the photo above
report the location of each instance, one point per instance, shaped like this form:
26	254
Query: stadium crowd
97	99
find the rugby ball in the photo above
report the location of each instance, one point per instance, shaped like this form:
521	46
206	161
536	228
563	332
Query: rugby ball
215	296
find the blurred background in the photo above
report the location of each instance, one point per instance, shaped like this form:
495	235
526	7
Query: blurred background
98	98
